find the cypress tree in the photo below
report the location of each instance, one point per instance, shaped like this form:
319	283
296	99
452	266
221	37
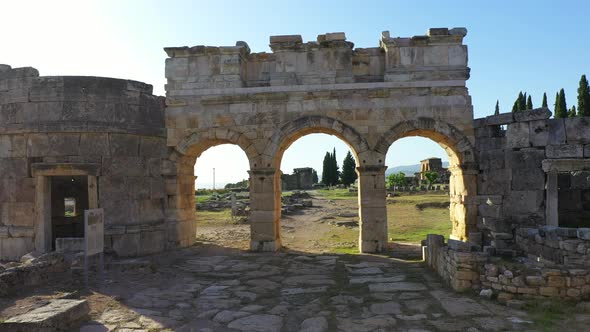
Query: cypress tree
556	105
497	110
583	97
529	103
544	103
515	106
348	170
521	102
335	171
572	112
326	169
561	107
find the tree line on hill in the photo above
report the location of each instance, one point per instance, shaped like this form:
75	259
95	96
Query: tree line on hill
524	102
331	174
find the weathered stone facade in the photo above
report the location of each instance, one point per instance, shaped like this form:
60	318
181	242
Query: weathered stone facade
533	178
367	97
108	132
520	167
302	178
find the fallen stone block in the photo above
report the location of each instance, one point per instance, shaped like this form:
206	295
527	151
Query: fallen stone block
58	315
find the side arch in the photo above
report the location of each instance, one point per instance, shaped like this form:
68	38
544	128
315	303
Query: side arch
194	144
463	167
452	139
178	171
293	130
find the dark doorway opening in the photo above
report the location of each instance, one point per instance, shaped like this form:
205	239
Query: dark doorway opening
69	199
574	199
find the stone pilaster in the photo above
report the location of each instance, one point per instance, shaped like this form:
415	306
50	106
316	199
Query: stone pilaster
265	205
463	206
372	208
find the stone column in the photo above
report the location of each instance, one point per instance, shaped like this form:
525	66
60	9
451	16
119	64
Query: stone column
372	208
551	208
265	209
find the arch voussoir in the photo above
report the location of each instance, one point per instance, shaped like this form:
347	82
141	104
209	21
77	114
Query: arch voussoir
299	127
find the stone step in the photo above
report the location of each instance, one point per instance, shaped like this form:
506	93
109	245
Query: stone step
58	315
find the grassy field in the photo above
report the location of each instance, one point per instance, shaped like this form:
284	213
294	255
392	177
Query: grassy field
210	217
337	194
406	223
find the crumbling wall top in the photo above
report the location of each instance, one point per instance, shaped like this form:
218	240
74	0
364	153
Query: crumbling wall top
437	56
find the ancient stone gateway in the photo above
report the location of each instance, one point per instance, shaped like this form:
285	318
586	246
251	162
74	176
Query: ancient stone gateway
367	97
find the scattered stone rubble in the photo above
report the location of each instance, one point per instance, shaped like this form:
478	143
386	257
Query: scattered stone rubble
219	202
297	200
32	272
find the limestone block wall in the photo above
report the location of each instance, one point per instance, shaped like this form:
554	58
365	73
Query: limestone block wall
560	245
467	270
508	280
519	156
459	268
113	126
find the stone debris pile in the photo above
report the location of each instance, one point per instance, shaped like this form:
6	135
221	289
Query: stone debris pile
298	200
219	202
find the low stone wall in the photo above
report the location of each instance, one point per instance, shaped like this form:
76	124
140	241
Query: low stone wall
459	267
531	279
567	246
463	269
36	272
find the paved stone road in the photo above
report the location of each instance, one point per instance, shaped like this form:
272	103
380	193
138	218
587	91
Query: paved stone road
285	292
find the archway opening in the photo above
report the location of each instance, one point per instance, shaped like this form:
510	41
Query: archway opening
418	187
221	196
435	195
319	198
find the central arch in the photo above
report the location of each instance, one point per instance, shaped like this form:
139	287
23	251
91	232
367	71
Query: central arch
371	196
463	167
293	130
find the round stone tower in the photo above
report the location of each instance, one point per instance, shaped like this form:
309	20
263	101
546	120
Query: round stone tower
68	144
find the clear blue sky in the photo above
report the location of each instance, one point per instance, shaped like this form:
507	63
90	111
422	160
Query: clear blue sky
534	46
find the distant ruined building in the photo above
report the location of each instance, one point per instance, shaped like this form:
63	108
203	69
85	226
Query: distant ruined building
302	178
433	165
90	142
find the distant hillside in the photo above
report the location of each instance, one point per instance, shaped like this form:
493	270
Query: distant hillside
409	169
